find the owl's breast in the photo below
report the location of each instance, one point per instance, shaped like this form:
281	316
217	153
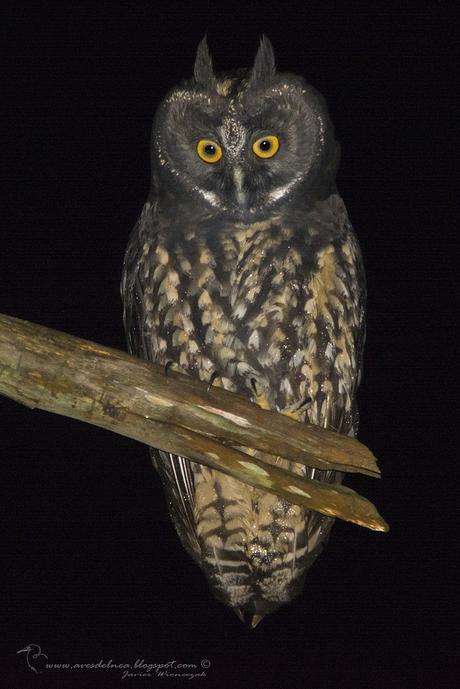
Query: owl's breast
267	302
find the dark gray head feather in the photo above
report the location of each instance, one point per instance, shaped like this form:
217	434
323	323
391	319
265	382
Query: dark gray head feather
264	68
203	71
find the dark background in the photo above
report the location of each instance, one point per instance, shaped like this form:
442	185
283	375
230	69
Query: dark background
93	567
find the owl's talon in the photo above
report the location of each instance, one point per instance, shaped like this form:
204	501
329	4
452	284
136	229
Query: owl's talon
259	397
214	375
298	412
304	403
168	365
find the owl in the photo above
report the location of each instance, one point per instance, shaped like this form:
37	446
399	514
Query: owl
243	271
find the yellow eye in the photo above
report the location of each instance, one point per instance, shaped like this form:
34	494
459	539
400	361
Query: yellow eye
209	151
266	147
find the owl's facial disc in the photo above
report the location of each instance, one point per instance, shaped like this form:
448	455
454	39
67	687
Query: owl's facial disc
239	168
239	176
243	148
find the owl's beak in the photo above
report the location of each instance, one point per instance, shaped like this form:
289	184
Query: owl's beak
240	193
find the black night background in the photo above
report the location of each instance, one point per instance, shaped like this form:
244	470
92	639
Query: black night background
92	567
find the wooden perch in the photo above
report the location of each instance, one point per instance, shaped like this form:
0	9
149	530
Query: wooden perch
44	368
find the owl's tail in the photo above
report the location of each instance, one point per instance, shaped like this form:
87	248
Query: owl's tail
253	547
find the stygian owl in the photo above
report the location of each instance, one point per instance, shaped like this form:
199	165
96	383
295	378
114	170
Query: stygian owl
244	271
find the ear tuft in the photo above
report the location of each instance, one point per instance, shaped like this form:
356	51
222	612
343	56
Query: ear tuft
203	71
264	67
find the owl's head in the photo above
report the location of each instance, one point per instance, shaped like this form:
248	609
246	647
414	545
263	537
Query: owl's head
243	143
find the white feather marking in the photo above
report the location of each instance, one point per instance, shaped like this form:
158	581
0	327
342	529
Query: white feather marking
240	310
253	341
280	192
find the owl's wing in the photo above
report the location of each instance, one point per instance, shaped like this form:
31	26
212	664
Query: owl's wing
132	289
177	478
175	471
357	324
339	324
334	338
